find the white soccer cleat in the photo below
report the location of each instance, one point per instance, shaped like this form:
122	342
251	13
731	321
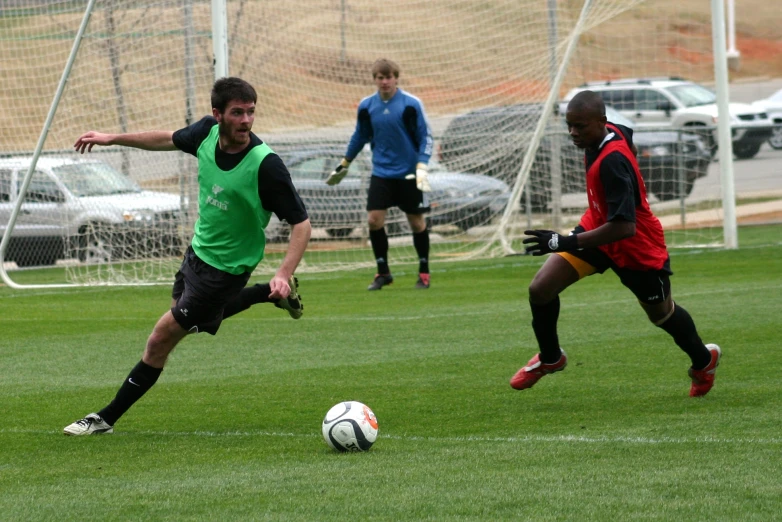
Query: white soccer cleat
292	304
92	424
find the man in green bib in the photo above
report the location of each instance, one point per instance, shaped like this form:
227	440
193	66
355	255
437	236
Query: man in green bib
241	183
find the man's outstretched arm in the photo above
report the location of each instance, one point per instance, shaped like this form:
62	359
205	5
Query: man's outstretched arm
148	140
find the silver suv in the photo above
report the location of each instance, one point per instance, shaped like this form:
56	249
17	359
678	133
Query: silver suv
84	210
677	103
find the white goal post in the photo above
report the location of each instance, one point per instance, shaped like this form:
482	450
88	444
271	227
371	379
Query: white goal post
491	76
730	233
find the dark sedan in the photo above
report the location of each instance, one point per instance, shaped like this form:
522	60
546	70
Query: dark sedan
493	141
461	199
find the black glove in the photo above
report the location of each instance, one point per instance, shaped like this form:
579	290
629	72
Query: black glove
546	241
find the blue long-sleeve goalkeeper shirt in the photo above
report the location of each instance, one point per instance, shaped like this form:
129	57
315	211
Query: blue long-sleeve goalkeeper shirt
398	132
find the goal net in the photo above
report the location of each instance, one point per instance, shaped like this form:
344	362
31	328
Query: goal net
485	72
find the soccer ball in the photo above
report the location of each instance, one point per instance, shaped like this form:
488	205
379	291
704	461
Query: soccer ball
350	426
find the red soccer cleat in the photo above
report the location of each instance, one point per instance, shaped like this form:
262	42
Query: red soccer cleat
703	380
530	374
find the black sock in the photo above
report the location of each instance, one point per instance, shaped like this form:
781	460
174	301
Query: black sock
379	241
140	379
544	324
421	243
681	327
247	297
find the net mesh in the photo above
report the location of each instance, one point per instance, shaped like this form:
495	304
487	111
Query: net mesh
482	70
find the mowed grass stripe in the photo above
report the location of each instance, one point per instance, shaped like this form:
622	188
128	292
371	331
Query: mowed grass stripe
232	429
607	439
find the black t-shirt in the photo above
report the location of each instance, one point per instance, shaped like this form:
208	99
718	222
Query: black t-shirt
275	187
618	178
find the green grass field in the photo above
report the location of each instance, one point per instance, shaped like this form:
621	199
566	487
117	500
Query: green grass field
232	429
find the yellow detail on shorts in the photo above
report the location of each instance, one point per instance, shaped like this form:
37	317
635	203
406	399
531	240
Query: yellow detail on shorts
583	268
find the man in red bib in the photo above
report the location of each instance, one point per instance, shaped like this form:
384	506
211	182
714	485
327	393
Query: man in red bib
617	231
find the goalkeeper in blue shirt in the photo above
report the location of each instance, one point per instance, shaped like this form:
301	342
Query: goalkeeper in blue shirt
393	122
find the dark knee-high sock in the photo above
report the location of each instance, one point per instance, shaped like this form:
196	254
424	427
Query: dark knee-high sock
681	327
544	324
140	379
421	243
379	241
247	297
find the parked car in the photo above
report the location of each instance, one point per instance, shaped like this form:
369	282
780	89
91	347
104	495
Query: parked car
493	141
773	107
84	210
676	103
670	161
465	200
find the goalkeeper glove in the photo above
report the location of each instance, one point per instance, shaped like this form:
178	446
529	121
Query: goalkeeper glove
338	173
421	177
547	241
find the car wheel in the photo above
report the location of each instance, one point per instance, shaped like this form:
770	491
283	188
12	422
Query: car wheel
159	245
396	224
707	135
339	232
95	244
776	137
746	150
397	228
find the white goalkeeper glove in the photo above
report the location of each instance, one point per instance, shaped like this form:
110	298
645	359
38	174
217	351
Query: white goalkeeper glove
340	172
421	177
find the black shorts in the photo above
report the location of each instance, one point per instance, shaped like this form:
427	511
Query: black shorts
385	193
201	292
648	286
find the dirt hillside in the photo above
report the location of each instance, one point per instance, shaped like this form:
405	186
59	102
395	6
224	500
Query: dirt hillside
310	59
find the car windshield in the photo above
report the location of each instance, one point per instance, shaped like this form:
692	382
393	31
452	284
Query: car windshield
94	179
777	96
692	95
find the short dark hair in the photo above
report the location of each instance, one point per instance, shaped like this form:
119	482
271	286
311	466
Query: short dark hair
385	67
228	89
588	101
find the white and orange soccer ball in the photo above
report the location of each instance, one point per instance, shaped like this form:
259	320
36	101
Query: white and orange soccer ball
350	426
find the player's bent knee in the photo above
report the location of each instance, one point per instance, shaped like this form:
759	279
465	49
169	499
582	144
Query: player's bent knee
540	292
659	313
376	219
553	277
159	346
417	222
164	337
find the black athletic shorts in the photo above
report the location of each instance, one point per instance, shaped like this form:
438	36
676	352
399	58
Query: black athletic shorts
201	292
649	286
385	193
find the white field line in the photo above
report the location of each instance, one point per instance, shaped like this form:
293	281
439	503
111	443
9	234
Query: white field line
576	439
329	276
